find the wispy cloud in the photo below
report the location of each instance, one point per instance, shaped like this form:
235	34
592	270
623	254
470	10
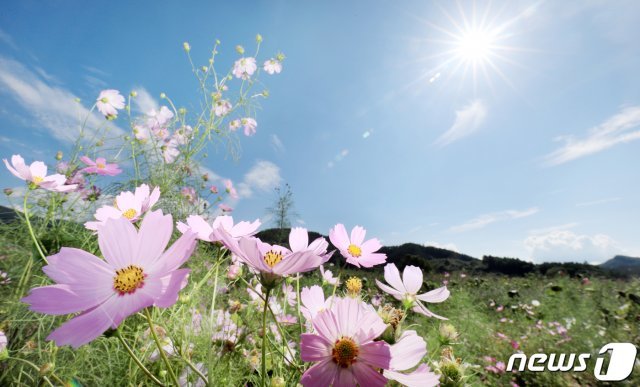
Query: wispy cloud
8	40
565	245
52	107
339	157
550	229
597	202
487	219
144	102
618	129
446	246
263	176
468	120
276	143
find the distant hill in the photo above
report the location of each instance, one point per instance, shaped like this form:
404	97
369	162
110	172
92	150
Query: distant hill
622	263
433	259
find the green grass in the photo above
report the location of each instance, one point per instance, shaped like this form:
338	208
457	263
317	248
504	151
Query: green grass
599	314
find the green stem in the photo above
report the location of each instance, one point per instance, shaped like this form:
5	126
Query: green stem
136	360
33	236
160	349
263	374
195	369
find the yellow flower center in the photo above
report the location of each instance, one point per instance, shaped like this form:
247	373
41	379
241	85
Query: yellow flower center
354	286
37	179
129	214
100	166
355	251
271	258
129	279
345	352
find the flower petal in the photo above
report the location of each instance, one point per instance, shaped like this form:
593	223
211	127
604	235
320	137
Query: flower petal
435	295
314	347
298	239
407	351
412	279
357	235
117	239
339	238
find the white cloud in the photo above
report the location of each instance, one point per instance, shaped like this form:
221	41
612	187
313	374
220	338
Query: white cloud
565	245
276	143
337	158
144	101
618	129
263	176
53	108
487	219
549	229
447	246
468	120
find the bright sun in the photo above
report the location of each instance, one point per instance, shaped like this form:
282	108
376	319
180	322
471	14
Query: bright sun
475	46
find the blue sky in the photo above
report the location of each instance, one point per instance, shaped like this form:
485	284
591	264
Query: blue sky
377	118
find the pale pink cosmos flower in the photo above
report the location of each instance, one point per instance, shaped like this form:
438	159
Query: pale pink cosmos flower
230	189
271	261
272	66
100	167
36	174
204	230
189	193
225	208
137	272
170	152
313	301
406	353
343	347
406	289
109	102
129	205
299	241
249	125
157	120
289	294
327	276
355	249
245	67
222	108
213	189
234	125
233	271
141	132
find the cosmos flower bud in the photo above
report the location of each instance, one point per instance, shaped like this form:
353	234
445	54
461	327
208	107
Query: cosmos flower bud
186	46
133	94
47	369
182	111
8	191
280	56
163	95
59	155
259	38
204	69
240	49
278	381
448	333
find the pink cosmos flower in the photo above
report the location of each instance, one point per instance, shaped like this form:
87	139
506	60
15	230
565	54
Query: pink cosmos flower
189	193
225	208
182	135
355	249
36	174
108	103
234	125
272	66
170	152
100	167
271	261
213	189
343	347
406	353
245	67
127	205
233	271
137	272
249	125
204	230
228	184
222	108
157	121
327	276
299	241
289	294
313	301
406	289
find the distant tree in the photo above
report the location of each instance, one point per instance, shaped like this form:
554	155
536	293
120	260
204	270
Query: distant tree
283	208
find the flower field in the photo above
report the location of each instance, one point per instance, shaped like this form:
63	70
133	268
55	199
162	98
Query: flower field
124	267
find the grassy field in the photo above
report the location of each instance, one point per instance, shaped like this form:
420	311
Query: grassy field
490	318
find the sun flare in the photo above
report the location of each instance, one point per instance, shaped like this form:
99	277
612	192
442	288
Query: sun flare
475	46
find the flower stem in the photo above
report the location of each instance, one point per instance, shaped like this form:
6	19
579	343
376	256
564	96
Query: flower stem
263	374
195	369
136	360
160	349
33	236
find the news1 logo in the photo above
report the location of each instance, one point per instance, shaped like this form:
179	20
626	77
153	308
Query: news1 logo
622	358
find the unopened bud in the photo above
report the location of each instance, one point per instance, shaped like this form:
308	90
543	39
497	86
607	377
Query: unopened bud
133	94
186	46
8	191
278	381
59	155
47	368
204	69
259	38
182	111
280	57
163	95
240	49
